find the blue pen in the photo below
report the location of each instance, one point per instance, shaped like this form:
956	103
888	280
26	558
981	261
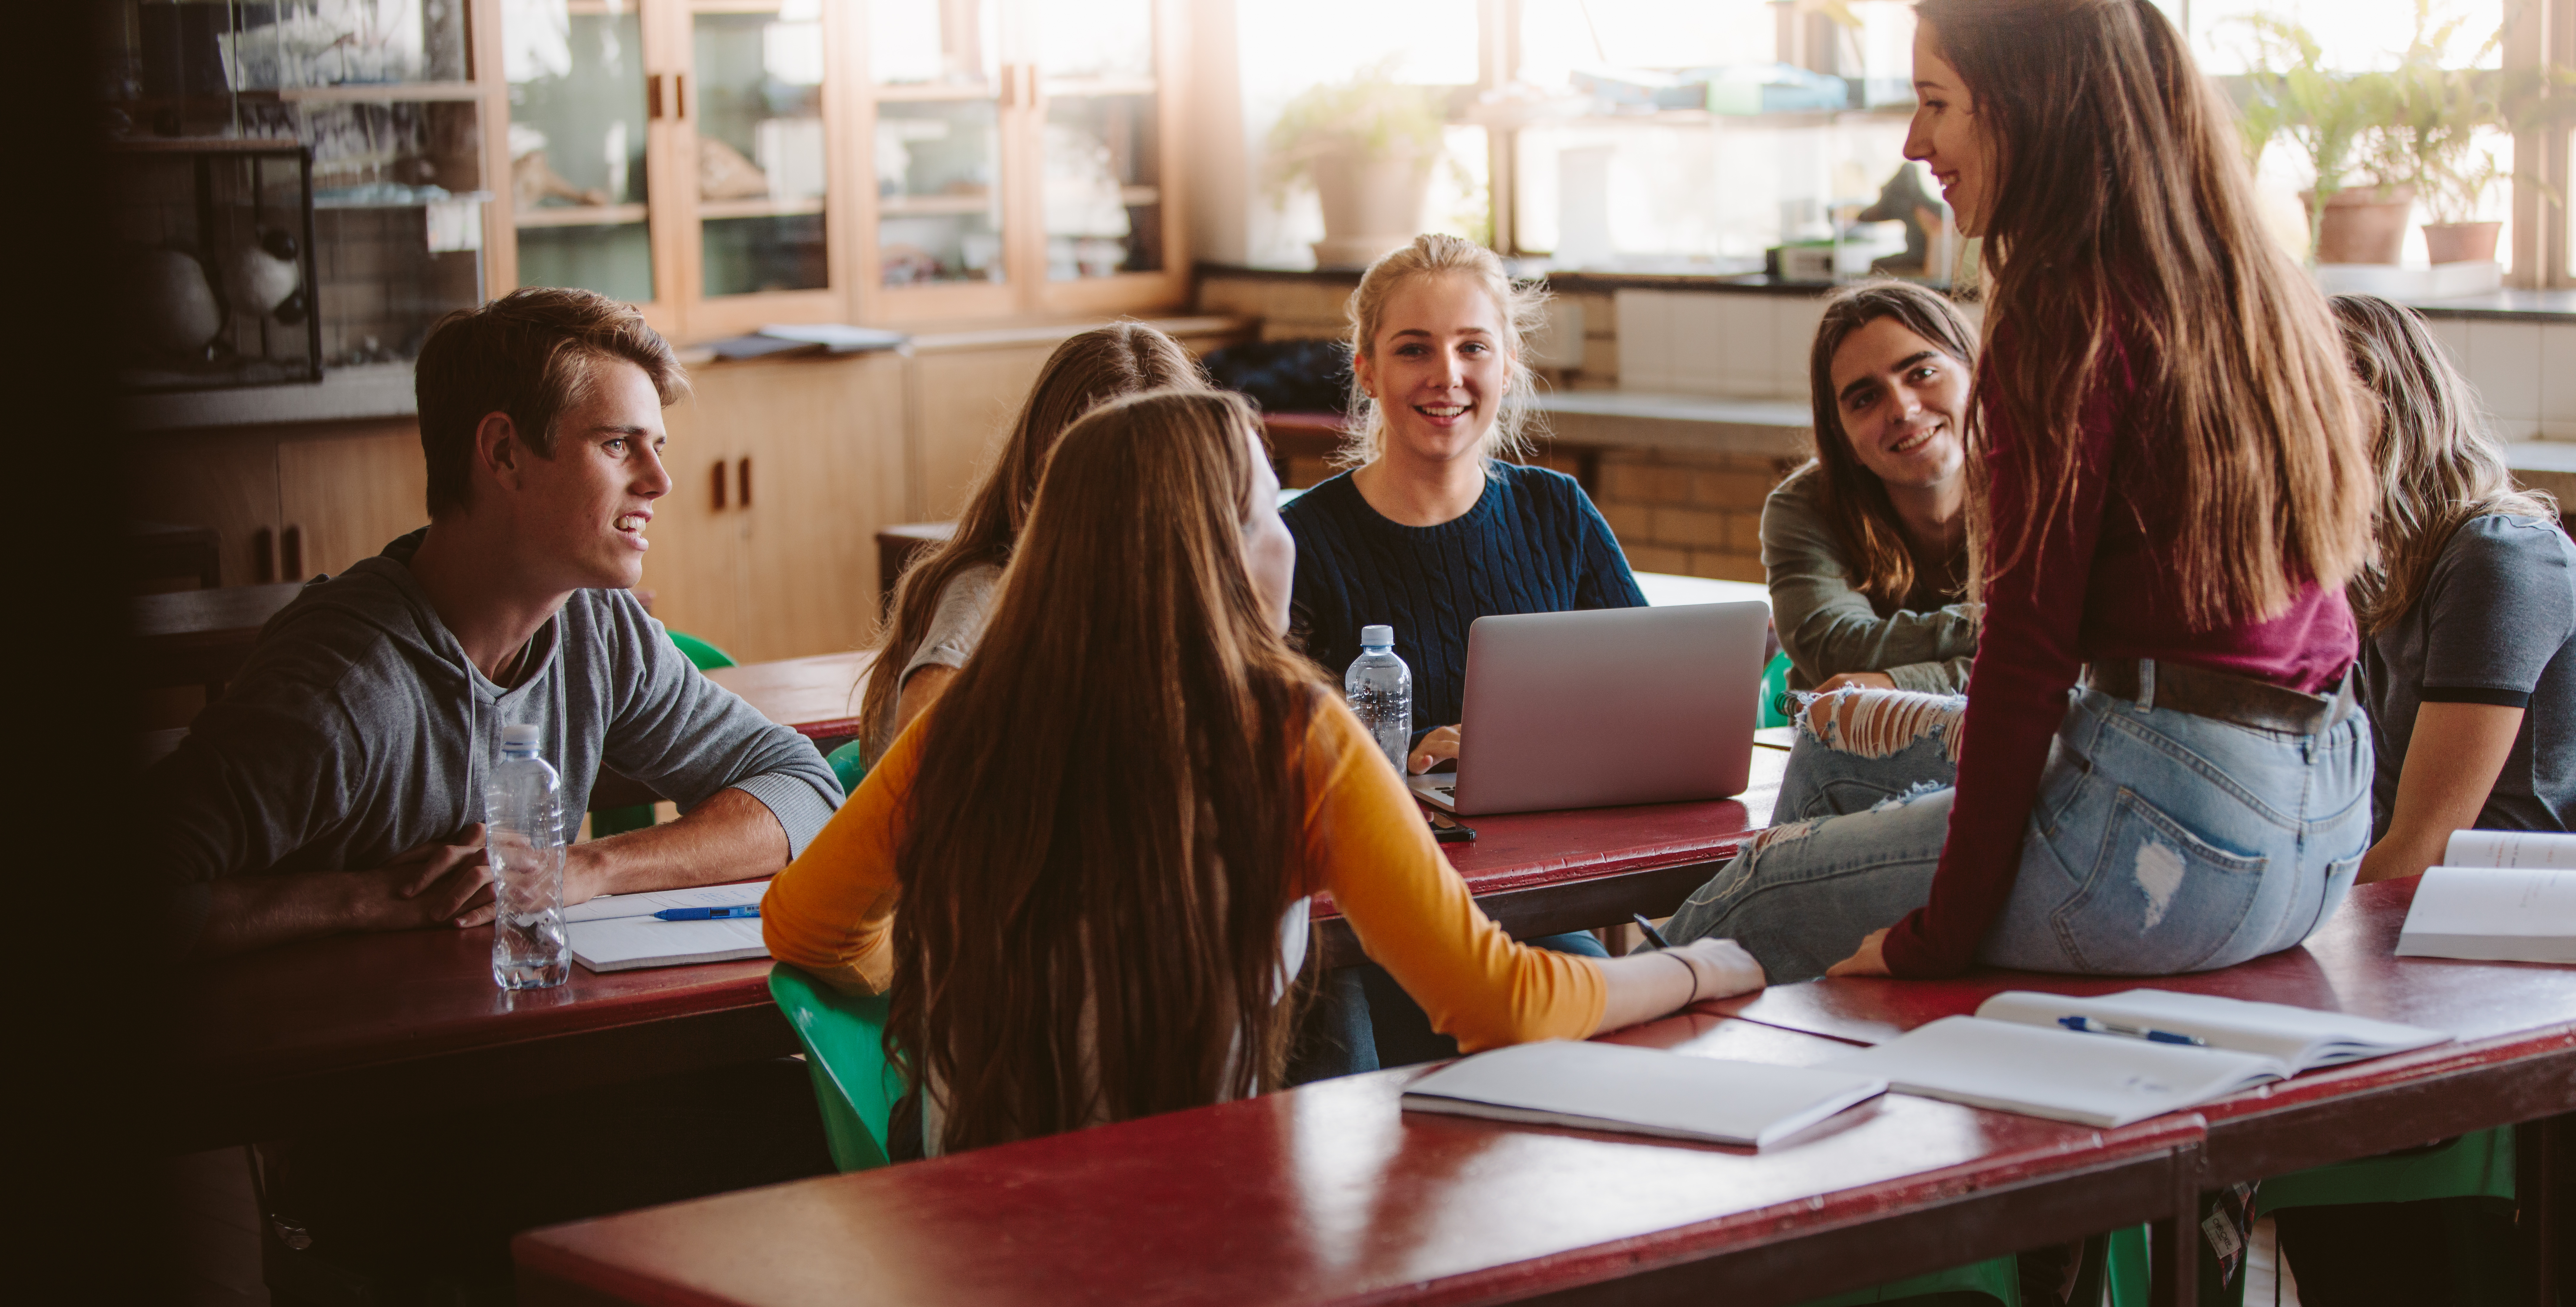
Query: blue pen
2091	1026
709	914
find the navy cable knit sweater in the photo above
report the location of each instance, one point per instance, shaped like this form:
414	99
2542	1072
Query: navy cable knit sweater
1533	543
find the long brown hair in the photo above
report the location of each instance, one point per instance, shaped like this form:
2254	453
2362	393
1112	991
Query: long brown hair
1854	500
1123	358
1105	815
2439	464
2124	234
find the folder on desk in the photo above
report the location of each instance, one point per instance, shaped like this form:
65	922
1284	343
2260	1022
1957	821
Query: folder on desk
618	932
1594	1086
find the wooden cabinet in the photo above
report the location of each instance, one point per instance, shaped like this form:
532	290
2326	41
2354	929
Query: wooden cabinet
285	503
782	474
723	164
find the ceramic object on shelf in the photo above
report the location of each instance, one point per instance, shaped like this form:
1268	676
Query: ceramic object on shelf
2461	242
2363	224
1372	206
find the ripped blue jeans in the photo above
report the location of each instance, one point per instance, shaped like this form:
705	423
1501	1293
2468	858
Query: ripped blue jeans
2160	842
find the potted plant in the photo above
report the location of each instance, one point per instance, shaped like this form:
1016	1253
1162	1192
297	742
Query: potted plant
1367	146
2433	134
2358	204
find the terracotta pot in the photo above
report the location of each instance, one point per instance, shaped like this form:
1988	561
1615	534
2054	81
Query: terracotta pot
2461	242
1371	206
2363	224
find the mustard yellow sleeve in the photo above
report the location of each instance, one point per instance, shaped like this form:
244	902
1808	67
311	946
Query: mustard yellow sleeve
1366	842
832	911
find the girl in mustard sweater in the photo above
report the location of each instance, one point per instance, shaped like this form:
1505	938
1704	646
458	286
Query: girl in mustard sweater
1104	835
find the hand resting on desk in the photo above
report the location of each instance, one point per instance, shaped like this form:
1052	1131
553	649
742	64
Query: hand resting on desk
1644	986
441	883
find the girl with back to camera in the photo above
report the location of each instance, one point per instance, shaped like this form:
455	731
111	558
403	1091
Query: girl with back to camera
946	593
1118	939
2171	487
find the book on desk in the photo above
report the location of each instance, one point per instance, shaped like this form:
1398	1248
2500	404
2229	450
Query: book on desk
2499	896
2117	1058
618	932
1594	1086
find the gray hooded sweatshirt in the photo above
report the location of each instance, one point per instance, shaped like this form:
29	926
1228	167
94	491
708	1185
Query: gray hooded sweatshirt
359	729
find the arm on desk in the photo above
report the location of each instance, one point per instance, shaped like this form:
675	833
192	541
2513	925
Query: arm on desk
732	836
2452	762
443	883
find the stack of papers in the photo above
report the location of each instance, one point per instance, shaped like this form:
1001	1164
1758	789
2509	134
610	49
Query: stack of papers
2017	1055
2500	896
618	932
1640	1091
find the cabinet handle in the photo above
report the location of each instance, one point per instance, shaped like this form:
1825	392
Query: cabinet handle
742	483
653	97
290	554
718	478
679	95
263	556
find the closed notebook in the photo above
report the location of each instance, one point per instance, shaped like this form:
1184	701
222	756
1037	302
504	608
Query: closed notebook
618	932
1592	1086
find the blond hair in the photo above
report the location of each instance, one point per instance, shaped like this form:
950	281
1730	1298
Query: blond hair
1521	308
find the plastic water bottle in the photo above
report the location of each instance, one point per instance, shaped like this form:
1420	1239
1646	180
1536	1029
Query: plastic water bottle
1380	689
523	837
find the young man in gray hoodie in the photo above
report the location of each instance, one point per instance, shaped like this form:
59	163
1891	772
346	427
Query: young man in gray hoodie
338	784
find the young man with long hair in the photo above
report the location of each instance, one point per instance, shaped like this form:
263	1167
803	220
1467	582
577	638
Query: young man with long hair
2170	488
1122	937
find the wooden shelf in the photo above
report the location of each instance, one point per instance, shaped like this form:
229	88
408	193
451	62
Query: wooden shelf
374	93
579	215
933	206
712	210
935	91
1066	88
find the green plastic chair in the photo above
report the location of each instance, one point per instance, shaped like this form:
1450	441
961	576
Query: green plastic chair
847	766
855	1084
1996	1279
617	821
1775	684
2475	1165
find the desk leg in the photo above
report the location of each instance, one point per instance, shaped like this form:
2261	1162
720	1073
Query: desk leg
2175	1257
2535	1176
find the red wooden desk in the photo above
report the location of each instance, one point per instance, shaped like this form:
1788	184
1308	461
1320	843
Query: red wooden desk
2513	1058
1544	873
1330	1194
819	696
375	1027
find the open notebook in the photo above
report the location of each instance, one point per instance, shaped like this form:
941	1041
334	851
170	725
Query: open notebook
2016	1055
2499	896
618	932
1646	1091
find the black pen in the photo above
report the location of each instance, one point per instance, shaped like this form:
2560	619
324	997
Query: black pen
1652	934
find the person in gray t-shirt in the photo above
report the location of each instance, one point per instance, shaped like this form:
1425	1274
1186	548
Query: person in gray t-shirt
2468	614
337	784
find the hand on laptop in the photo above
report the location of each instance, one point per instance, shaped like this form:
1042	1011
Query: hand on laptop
1436	748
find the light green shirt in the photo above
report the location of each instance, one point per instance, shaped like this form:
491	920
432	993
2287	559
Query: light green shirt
1828	627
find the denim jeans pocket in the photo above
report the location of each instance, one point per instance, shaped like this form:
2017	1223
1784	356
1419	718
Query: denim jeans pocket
2159	899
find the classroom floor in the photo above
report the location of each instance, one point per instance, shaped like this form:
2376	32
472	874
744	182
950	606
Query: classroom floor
218	1229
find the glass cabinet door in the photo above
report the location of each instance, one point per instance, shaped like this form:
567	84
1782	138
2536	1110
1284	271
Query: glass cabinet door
1101	153
576	76
757	107
936	78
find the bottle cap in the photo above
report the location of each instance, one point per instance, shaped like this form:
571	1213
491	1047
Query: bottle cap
518	737
1377	637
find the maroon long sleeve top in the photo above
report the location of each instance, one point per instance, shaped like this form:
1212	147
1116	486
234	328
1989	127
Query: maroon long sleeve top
2095	586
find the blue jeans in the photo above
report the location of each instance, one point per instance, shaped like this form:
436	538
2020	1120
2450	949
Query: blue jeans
2160	842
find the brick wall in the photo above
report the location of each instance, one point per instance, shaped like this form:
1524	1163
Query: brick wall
1695	514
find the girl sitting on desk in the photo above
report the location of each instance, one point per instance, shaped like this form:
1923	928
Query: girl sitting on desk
1866	546
1104	919
947	592
2172	485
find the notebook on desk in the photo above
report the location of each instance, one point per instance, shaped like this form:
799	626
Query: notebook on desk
1604	707
2499	896
1594	1086
618	932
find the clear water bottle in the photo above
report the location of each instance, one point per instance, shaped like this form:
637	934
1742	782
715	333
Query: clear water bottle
1380	689
523	837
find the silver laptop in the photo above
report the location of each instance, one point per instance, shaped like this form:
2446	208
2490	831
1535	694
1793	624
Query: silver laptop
1604	707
